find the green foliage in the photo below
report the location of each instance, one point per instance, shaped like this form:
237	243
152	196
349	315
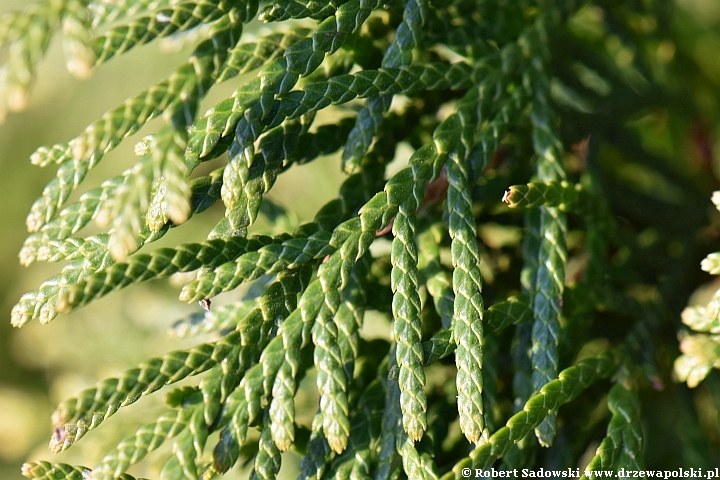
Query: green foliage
503	306
701	348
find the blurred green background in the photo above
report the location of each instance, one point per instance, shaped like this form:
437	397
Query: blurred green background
41	365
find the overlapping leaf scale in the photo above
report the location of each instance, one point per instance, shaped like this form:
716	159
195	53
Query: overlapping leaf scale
352	239
552	253
360	458
73	248
281	411
248	56
61	471
569	384
245	404
124	210
301	59
257	384
467	283
170	143
395	442
45	302
282	406
204	192
79	56
27	35
407	324
147	438
438	347
214	384
332	381
241	209
467	324
68	176
297	9
515	310
622	447
53	471
347	321
399	53
186	450
384	81
76	416
704	319
309	243
163	22
272	258
319	454
86	150
437	279
267	460
245	182
415	465
256	329
209	57
562	195
158	264
349	318
90	254
279	149
108	11
68	221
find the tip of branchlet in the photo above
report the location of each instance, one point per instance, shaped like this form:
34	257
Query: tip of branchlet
121	245
38	157
80	67
338	445
103	217
17	99
284	442
142	148
178	211
58	439
186	294
415	426
34	221
47	313
27	256
26	470
19	316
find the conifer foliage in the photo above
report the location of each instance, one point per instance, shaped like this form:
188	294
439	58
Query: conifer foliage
511	272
